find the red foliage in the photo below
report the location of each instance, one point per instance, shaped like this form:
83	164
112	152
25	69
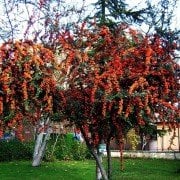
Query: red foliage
118	80
114	81
26	84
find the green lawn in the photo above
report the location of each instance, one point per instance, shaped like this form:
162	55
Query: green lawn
135	169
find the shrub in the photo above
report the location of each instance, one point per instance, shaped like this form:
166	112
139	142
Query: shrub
15	150
66	148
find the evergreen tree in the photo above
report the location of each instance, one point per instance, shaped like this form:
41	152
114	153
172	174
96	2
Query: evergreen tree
155	16
111	12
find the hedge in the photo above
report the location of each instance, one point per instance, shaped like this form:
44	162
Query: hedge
66	148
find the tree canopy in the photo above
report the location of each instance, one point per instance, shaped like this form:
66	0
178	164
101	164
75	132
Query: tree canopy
27	84
117	81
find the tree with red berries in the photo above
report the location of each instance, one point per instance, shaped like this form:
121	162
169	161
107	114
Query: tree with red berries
116	81
27	86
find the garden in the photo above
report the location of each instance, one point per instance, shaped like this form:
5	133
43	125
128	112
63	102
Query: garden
72	160
101	75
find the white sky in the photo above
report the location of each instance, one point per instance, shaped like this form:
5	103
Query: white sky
138	3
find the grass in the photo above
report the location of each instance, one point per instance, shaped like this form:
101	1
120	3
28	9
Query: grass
148	169
135	169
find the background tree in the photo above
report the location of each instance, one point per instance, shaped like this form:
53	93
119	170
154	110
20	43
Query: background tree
117	11
38	20
155	14
161	20
27	86
160	16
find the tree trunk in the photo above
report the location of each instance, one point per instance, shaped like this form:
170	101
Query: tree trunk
99	164
121	156
98	171
109	170
55	145
143	141
41	141
103	6
95	155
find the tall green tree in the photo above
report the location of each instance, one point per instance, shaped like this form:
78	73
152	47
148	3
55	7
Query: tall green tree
160	20
156	16
111	12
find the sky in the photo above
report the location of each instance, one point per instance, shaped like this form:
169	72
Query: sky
137	3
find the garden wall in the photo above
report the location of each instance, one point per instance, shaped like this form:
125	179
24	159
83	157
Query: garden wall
147	154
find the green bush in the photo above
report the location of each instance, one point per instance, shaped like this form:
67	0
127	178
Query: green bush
66	149
15	150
